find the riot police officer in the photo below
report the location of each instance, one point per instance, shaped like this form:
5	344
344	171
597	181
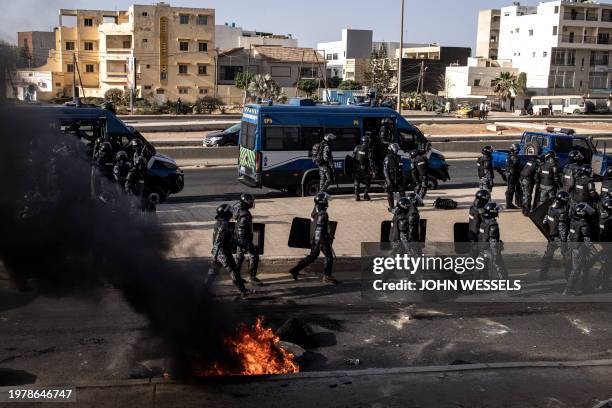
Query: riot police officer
527	180
394	176
122	167
580	242
386	131
325	161
606	184
365	167
584	187
222	250
135	179
244	237
406	224
420	172
570	170
605	237
548	178
490	238
104	160
481	199
485	169
135	149
557	222
513	171
321	240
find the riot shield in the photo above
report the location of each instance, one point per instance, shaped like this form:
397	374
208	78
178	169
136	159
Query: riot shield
300	234
537	217
349	165
259	235
385	231
461	237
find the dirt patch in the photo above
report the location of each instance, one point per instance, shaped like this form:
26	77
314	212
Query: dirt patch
455	129
584	125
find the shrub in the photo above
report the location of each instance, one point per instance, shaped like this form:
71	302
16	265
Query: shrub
116	96
349	85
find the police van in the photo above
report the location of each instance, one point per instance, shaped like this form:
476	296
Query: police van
276	142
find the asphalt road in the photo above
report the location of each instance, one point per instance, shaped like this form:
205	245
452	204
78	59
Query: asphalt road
220	183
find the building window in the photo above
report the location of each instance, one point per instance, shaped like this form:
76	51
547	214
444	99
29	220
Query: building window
58	84
229	72
279	71
183	68
555	30
335	57
69	46
163	76
545	54
477	82
70	68
88	22
88	46
184	19
517	30
144	40
531	33
183	91
203	47
127	44
202	20
147	87
148	66
202	70
308	72
89	68
184	46
533	54
160	91
556	9
203	91
144	14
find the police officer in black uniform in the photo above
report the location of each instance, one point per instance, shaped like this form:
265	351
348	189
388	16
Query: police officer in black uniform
557	221
420	171
606	184
104	160
527	179
386	131
365	167
570	170
485	169
122	167
135	149
326	163
481	199
584	187
605	237
394	176
580	243
513	172
135	181
223	241
406	224
548	178
244	237
321	240
490	239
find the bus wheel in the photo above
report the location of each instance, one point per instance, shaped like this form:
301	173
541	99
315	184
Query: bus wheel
432	183
311	188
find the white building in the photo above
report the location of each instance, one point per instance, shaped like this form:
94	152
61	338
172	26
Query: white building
475	80
229	36
563	46
30	85
355	44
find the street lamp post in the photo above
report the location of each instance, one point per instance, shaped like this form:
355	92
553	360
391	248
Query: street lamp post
399	63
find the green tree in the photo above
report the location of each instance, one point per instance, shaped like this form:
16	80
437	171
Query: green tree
308	86
505	86
349	85
242	79
264	87
379	74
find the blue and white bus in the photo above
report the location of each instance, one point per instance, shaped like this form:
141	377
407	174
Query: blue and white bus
276	143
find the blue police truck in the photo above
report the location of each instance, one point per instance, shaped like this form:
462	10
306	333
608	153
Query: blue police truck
276	143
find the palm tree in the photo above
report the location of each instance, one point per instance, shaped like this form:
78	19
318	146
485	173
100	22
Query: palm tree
505	86
264	87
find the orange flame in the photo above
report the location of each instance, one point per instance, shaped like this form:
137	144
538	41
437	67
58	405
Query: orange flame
255	348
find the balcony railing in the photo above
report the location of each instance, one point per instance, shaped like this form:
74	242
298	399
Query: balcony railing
575	16
585	39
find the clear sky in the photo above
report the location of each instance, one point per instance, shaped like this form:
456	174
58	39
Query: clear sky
448	22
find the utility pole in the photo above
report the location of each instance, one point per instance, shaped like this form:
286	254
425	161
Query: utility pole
399	63
133	90
74	84
216	72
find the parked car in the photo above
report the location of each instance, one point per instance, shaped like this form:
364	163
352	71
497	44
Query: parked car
227	137
468	112
560	141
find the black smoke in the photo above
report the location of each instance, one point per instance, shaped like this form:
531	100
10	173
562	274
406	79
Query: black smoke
59	239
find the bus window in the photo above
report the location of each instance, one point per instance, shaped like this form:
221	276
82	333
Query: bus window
281	138
346	138
247	135
311	136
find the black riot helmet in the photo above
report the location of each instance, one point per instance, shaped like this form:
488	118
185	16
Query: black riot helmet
394	147
575	156
608	173
224	212
121	156
404	204
247	200
321	200
414	198
539	160
141	162
329	137
491	210
582	210
550	155
483	197
106	147
487	150
561	198
413	154
606	207
367	138
135	143
585	170
515	147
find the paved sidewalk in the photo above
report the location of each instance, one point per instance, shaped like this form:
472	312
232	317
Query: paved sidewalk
357	222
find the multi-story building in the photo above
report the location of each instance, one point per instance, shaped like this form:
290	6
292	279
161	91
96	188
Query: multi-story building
36	46
427	66
476	79
229	36
487	41
563	46
173	50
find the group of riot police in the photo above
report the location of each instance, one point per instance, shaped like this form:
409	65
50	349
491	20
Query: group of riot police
577	215
127	170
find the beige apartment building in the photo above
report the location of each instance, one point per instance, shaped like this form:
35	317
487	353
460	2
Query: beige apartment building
173	49
487	42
